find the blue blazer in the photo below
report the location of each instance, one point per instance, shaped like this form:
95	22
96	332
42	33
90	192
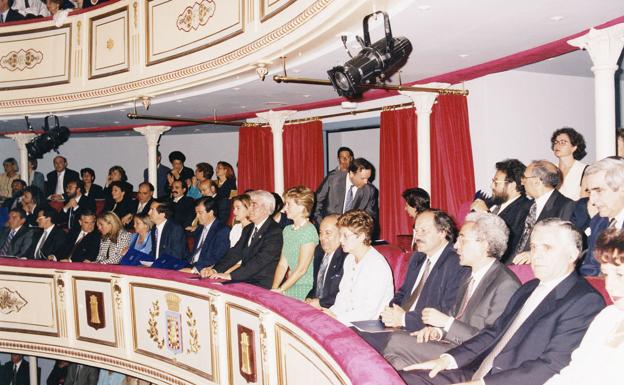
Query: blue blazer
172	242
590	266
215	246
542	346
440	290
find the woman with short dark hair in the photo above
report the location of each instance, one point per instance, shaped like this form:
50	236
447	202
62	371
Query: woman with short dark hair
568	145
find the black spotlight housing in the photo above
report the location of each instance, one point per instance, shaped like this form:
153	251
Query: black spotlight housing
50	140
377	61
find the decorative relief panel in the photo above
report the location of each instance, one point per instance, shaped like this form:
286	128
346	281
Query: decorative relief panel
35	58
28	304
93	311
166	327
270	8
245	364
178	27
109	50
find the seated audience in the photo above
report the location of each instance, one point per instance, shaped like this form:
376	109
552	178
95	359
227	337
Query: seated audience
167	236
597	360
117	174
32	203
31	8
212	239
278	215
145	197
183	206
83	241
241	204
7	14
6	179
569	147
417	200
366	285
115	240
92	190
178	170
16	239
75	204
15	371
508	202
203	172
58	373
226	187
327	265
17	189
540	181
121	204
208	188
542	324
35	178
299	241
482	296
161	176
57	180
80	374
255	256
50	242
142	238
605	181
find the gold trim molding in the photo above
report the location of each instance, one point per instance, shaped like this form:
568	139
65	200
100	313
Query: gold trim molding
196	16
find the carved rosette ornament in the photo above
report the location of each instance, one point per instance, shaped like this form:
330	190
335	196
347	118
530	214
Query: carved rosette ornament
196	16
21	59
11	301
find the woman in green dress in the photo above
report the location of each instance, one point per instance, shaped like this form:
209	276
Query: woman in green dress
300	240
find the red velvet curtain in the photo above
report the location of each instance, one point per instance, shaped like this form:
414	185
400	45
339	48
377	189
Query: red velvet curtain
255	159
303	154
398	170
452	173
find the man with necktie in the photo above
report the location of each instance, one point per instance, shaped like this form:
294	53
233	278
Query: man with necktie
15	371
83	242
17	238
51	242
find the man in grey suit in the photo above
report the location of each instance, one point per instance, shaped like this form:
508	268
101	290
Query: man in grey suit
17	238
79	374
481	300
344	191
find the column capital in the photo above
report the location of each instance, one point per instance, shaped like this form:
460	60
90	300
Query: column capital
423	101
152	133
21	138
603	45
276	119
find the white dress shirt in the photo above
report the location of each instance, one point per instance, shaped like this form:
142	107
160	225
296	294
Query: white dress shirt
59	183
571	186
36	7
348	186
541	202
433	260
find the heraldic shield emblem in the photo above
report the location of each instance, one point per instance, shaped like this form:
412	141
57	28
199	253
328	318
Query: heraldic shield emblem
96	318
174	324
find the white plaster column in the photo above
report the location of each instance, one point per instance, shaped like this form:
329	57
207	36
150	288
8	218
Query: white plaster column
276	120
21	139
32	370
152	135
604	47
423	101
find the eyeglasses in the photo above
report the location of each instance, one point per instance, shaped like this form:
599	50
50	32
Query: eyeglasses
561	142
524	177
461	239
495	181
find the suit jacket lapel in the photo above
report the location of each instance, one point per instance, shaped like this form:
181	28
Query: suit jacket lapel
548	207
261	232
483	287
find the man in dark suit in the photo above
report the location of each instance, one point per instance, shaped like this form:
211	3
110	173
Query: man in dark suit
16	239
167	236
540	181
58	179
7	14
161	177
50	243
17	189
259	248
79	374
327	264
482	296
432	279
83	242
605	181
542	324
15	371
509	202
183	206
212	239
75	204
344	191
145	197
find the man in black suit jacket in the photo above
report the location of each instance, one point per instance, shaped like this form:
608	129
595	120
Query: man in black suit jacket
75	204
83	242
540	180
145	197
482	297
259	248
183	206
329	257
509	201
50	243
161	177
344	191
543	323
167	236
16	239
7	14
55	187
15	371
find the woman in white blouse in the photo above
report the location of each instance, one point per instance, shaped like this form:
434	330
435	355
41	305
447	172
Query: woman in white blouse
366	286
569	147
115	240
598	360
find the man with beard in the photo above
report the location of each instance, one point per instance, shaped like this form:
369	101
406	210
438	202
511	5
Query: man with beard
75	204
509	201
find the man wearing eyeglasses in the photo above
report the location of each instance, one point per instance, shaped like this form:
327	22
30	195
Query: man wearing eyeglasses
508	202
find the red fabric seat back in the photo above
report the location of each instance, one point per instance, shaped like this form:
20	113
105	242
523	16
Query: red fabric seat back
398	261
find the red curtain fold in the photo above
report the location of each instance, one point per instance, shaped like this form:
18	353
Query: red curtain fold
398	170
303	154
452	172
255	159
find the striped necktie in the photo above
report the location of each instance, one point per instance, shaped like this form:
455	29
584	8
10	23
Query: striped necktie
7	243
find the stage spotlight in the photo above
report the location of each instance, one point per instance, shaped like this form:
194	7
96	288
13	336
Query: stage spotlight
377	61
50	140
